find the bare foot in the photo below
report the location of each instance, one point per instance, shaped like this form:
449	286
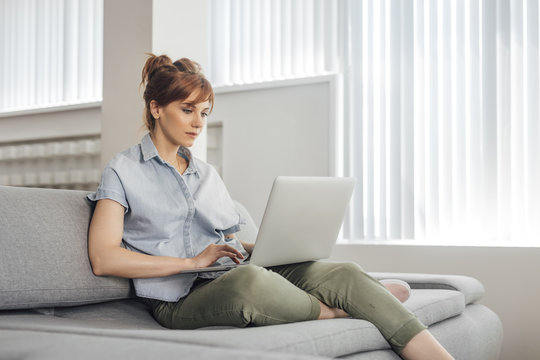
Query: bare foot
400	289
328	312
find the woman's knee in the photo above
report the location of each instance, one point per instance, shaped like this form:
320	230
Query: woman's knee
340	269
248	280
337	276
349	271
246	275
349	267
258	295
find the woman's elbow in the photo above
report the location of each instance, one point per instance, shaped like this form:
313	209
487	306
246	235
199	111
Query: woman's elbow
99	267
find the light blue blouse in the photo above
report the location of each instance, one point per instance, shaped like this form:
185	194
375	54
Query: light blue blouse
168	213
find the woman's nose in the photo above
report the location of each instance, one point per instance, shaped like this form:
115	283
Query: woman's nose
198	122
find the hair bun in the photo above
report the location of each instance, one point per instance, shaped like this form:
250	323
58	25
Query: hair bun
186	65
154	63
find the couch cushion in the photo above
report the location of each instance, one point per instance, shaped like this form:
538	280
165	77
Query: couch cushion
430	306
44	260
475	334
334	337
433	306
119	314
32	345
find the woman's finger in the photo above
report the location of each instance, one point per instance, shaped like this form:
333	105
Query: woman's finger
230	249
232	255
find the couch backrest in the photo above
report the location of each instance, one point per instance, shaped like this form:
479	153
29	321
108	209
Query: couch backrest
249	229
43	251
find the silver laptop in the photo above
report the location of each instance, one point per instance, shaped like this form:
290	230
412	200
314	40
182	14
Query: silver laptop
301	222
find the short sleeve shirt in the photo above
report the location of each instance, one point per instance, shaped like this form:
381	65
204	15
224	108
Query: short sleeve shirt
168	213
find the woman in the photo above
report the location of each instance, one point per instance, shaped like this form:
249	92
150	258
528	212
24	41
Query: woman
160	211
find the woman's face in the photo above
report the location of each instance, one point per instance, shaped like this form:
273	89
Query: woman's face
181	121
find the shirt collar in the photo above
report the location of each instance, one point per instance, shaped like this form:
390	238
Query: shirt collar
149	151
186	154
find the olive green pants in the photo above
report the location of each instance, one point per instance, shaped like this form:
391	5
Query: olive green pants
254	296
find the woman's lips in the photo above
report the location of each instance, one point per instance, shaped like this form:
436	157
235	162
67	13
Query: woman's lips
193	135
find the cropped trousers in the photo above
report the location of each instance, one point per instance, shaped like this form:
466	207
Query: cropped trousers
255	296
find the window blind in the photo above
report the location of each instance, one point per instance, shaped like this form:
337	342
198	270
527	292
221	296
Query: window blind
51	53
262	40
442	119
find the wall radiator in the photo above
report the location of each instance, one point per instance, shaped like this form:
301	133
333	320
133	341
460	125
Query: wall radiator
62	163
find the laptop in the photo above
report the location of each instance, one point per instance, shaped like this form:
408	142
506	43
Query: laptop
301	222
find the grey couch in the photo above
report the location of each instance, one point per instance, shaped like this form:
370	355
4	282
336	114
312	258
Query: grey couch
53	307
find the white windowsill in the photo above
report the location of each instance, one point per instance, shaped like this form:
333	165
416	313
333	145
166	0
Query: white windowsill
268	84
52	108
425	243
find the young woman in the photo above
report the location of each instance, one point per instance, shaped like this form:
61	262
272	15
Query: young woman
160	211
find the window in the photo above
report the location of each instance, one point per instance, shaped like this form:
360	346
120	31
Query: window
443	130
441	117
51	53
261	40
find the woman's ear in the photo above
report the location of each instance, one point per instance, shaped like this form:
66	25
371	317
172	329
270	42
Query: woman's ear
155	109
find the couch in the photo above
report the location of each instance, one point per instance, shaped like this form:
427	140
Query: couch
53	307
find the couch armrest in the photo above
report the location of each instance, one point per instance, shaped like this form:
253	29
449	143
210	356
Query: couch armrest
472	289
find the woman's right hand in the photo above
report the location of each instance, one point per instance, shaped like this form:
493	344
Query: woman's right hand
213	252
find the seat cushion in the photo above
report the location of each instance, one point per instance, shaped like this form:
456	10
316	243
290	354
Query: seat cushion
336	337
44	258
34	345
116	315
322	338
433	306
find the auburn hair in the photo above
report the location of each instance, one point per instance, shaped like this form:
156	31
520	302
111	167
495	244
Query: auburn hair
166	81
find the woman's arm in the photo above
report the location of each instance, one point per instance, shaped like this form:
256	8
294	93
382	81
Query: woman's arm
108	257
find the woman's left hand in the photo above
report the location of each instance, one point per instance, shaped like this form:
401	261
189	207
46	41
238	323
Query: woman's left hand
248	246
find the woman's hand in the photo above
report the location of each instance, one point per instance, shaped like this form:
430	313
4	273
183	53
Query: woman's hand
248	246
213	252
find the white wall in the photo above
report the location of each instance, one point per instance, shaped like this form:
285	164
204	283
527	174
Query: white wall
273	131
50	125
179	29
127	37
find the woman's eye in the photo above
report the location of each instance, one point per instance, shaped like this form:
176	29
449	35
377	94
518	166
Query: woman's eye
187	111
204	114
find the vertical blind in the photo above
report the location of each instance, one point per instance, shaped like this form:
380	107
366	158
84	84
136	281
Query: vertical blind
51	53
442	124
262	40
